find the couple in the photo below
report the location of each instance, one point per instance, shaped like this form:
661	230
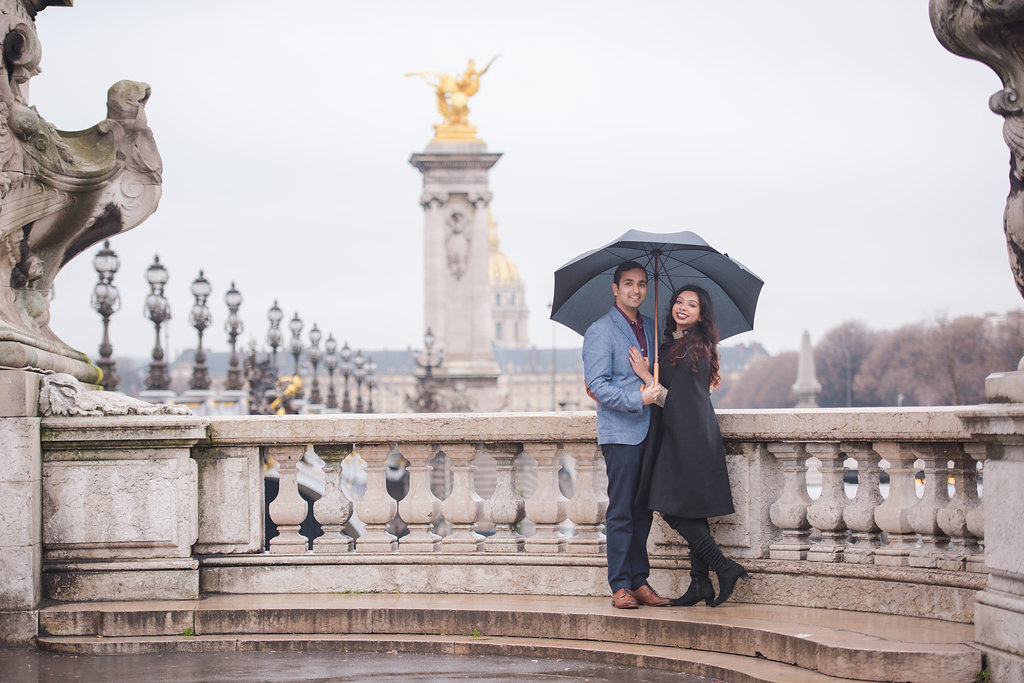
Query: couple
670	459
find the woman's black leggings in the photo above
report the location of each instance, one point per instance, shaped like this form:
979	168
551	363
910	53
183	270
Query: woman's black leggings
692	529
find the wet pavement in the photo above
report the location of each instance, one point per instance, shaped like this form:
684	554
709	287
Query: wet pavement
27	664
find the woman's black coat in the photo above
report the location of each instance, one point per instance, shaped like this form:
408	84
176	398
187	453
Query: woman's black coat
683	469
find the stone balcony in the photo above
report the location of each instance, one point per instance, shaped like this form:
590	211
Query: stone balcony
172	508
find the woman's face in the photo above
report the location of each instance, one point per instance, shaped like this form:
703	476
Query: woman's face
686	310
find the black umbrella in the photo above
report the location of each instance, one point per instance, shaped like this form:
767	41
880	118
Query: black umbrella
583	285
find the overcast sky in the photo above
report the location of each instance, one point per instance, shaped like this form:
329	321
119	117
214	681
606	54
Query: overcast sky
833	147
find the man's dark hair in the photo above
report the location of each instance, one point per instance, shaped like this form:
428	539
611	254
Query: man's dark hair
623	267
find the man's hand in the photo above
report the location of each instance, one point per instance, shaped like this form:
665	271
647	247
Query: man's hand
649	394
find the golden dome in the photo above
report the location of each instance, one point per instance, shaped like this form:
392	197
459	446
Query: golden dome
503	272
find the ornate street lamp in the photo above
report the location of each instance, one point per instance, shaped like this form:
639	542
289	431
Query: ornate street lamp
371	382
200	318
274	315
331	362
159	312
424	358
314	354
346	372
106	302
359	372
233	326
295	346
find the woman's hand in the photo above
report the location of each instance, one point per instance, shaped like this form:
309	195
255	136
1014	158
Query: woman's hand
640	365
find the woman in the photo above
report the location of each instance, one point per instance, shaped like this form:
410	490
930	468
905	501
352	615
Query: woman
684	476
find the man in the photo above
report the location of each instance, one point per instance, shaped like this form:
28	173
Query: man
623	417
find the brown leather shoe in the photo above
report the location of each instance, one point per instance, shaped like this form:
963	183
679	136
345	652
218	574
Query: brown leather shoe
646	595
623	599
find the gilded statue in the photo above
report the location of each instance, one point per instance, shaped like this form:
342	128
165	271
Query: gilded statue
453	93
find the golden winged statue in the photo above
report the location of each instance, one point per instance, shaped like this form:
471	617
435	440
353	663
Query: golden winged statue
453	93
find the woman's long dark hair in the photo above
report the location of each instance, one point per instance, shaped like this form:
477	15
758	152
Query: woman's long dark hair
700	342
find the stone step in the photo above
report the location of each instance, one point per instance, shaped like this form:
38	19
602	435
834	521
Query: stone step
842	644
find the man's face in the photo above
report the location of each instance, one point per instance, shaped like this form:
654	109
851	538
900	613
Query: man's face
631	290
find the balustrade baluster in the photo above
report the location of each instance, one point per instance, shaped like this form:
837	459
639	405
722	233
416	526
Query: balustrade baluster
892	516
952	518
976	515
546	507
462	508
288	509
826	513
376	508
789	512
505	505
589	503
865	536
924	515
334	507
420	508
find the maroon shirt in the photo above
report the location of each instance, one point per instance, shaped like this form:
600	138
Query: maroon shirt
638	329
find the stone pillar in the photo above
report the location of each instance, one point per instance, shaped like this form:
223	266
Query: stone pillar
893	516
456	253
789	512
334	508
20	515
589	503
420	508
826	513
505	505
288	509
120	507
999	610
546	507
924	515
807	386
376	508
865	536
462	508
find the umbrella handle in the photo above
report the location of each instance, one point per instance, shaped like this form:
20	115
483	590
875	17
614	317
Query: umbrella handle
656	373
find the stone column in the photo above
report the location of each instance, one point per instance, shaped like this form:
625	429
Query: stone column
999	610
20	522
462	508
588	506
924	515
376	508
826	513
860	513
505	505
546	507
789	512
456	253
420	508
334	508
288	509
953	518
893	516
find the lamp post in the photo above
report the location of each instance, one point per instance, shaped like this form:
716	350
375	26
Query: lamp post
199	317
314	354
274	315
424	358
295	347
346	372
233	326
359	371
159	312
331	363
106	302
371	382
427	398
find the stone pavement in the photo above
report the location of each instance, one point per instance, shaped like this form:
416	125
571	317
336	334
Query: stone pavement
26	665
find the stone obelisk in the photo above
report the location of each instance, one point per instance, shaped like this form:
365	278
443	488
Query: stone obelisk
807	386
456	249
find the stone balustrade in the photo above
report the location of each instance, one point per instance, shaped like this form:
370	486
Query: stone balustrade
808	534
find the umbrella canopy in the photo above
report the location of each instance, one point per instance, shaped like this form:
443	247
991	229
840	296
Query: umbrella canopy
583	291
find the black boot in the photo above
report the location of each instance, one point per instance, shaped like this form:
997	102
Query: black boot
700	585
727	571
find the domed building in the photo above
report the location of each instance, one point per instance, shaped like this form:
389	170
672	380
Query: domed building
509	313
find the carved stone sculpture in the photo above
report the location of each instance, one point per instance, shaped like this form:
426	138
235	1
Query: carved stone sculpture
60	193
991	32
62	395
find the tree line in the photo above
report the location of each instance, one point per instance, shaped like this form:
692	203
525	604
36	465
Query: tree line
940	362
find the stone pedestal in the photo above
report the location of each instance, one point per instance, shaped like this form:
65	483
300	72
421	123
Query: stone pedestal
999	611
20	527
120	507
456	255
1005	387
